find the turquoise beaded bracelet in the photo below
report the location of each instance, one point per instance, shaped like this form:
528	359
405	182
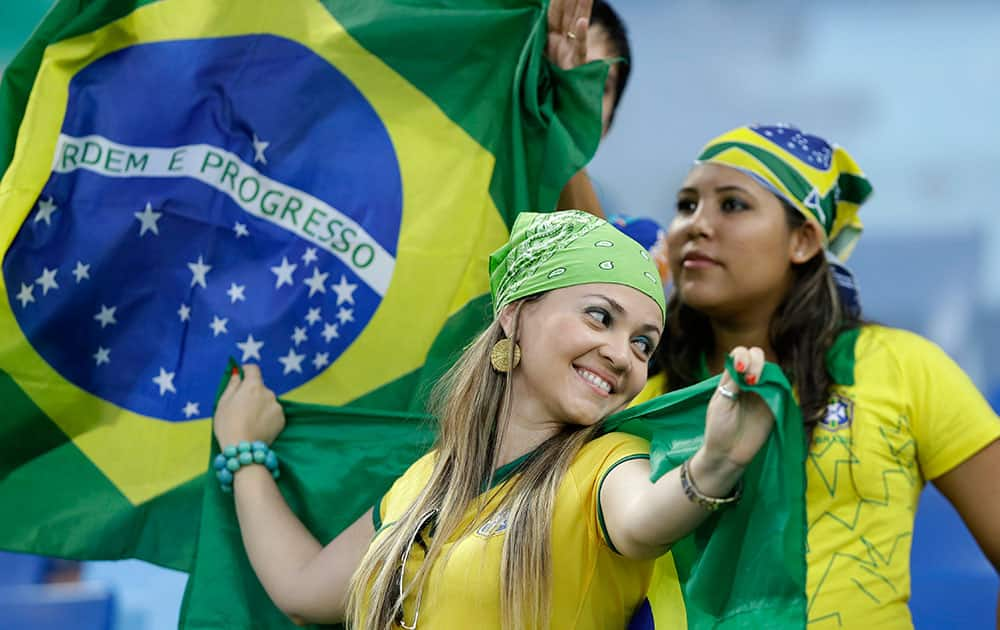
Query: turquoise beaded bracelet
232	458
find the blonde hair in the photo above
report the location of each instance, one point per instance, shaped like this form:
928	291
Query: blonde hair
470	404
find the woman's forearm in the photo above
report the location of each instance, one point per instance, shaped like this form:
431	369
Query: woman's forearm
306	580
278	545
662	513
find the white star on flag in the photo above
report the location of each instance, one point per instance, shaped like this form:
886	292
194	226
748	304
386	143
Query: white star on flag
106	316
322	359
329	332
103	355
219	325
299	335
235	293
27	294
250	348
81	272
184	312
310	256
191	409
241	230
166	382
344	291
45	210
313	316
292	361
147	219
284	273
345	315
198	271
259	146
316	282
47	280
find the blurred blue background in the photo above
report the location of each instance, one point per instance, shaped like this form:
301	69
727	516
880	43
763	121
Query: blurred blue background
910	87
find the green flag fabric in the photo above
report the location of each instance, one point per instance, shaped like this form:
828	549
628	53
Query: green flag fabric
743	568
312	185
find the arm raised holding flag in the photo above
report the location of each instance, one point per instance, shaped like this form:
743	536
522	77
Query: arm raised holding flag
303	578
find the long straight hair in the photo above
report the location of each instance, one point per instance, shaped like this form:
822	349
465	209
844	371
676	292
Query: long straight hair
470	404
801	331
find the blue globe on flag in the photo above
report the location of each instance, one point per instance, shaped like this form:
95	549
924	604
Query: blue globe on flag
233	226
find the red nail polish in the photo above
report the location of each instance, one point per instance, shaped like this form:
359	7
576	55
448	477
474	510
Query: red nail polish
236	371
740	366
751	379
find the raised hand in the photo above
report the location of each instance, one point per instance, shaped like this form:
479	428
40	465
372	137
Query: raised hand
247	411
567	35
738	423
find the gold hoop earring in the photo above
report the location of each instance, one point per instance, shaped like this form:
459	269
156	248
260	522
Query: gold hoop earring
500	355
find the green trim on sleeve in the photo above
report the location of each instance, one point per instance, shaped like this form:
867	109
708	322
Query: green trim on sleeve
600	487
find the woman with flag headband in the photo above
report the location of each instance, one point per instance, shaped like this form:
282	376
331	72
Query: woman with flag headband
763	220
527	513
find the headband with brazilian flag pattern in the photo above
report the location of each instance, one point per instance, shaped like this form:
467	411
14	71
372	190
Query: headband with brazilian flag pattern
567	248
819	179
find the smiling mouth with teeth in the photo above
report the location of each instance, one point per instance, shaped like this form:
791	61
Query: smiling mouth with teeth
594	379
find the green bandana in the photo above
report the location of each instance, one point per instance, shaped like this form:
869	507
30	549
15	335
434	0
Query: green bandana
567	248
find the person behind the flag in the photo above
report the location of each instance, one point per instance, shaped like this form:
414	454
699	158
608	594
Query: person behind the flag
523	515
605	38
763	221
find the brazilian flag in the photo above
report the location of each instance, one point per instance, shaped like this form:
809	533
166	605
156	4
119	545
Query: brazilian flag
314	186
311	185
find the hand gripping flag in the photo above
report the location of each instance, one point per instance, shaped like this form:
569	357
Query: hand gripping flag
310	185
744	567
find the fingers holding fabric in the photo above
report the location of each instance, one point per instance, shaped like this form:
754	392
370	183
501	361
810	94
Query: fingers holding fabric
248	410
749	363
231	387
738	422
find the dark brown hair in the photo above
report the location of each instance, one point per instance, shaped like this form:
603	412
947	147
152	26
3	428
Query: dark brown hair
604	16
801	331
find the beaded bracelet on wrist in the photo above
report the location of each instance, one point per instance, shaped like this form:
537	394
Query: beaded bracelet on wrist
234	457
702	500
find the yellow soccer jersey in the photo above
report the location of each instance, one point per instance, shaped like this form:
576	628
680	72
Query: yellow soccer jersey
593	586
912	415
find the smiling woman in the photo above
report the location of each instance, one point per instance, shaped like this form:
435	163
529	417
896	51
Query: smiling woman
524	514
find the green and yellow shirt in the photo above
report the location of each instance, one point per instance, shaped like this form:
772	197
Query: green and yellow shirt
593	587
911	416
